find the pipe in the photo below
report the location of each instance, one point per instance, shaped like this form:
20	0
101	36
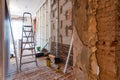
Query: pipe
68	57
57	31
50	39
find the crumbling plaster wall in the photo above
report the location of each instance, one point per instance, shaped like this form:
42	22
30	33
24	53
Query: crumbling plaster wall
117	42
108	39
96	39
85	38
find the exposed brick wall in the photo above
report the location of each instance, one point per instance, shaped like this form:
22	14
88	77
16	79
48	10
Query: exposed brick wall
63	52
65	27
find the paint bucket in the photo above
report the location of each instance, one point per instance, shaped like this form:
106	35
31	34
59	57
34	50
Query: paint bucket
48	62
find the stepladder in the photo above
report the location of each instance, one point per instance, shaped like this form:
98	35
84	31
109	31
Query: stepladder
28	52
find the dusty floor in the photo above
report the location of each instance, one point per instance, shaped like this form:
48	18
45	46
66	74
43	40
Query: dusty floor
40	72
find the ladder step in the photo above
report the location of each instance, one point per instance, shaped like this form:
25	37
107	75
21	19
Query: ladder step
27	26
28	48
28	55
27	31
27	42
28	36
28	62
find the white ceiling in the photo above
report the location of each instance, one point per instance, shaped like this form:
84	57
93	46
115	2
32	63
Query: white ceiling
18	7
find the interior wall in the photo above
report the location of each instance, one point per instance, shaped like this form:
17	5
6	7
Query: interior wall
81	52
6	37
92	39
118	39
4	40
1	38
65	27
43	26
108	31
96	39
85	39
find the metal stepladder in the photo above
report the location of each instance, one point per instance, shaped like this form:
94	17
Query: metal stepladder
27	42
